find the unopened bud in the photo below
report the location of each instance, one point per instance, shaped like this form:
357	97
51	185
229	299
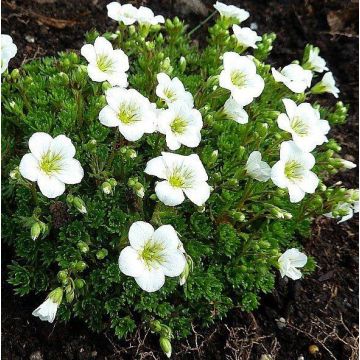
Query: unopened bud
35	230
166	346
15	174
80	205
101	254
106	188
182	64
83	246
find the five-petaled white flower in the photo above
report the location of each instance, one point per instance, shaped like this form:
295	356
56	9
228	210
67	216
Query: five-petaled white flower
315	62
290	261
235	112
294	77
125	13
246	37
292	171
239	76
48	309
180	174
231	12
304	124
145	16
105	63
326	85
51	164
181	125
257	169
152	255
130	111
171	90
8	51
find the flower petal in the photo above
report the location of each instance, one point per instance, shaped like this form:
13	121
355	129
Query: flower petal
151	279
174	263
169	195
199	193
108	117
156	167
71	172
50	186
295	192
29	167
96	74
63	146
88	52
167	236
39	144
130	263
139	233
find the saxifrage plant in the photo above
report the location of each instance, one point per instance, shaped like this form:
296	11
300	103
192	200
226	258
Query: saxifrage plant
155	183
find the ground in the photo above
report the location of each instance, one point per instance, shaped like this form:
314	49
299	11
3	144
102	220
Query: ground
321	311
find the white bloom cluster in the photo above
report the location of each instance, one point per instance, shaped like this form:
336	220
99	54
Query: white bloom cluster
129	14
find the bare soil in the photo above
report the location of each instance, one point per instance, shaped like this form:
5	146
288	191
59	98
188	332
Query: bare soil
320	311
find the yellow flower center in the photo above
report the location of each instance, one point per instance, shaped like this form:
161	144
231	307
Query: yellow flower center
181	177
293	170
50	163
299	126
128	114
238	78
153	253
178	125
170	94
104	63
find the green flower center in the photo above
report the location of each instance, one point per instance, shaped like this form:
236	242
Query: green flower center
153	253
176	180
238	78
293	170
104	63
170	94
299	126
128	114
181	177
178	126
50	163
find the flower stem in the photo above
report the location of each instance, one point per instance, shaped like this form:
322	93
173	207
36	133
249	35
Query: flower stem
202	23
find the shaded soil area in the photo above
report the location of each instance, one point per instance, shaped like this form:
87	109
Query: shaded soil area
320	313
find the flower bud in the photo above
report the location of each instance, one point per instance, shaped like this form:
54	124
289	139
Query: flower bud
80	266
185	274
56	295
79	205
35	230
112	182
139	191
155	326
83	246
15	174
182	64
131	153
106	188
70	295
165	346
105	86
15	74
63	276
102	254
79	283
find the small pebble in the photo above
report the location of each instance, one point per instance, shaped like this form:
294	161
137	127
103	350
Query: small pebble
313	349
29	39
37	355
281	323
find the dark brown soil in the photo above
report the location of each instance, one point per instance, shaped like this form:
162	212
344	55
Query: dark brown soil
320	310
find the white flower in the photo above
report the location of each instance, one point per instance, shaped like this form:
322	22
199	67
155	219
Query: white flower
239	76
145	16
292	171
152	255
180	174
347	211
48	309
181	125
130	111
235	112
231	11
304	124
245	36
51	164
105	63
8	51
294	77
171	90
126	13
290	261
257	169
315	62
326	85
